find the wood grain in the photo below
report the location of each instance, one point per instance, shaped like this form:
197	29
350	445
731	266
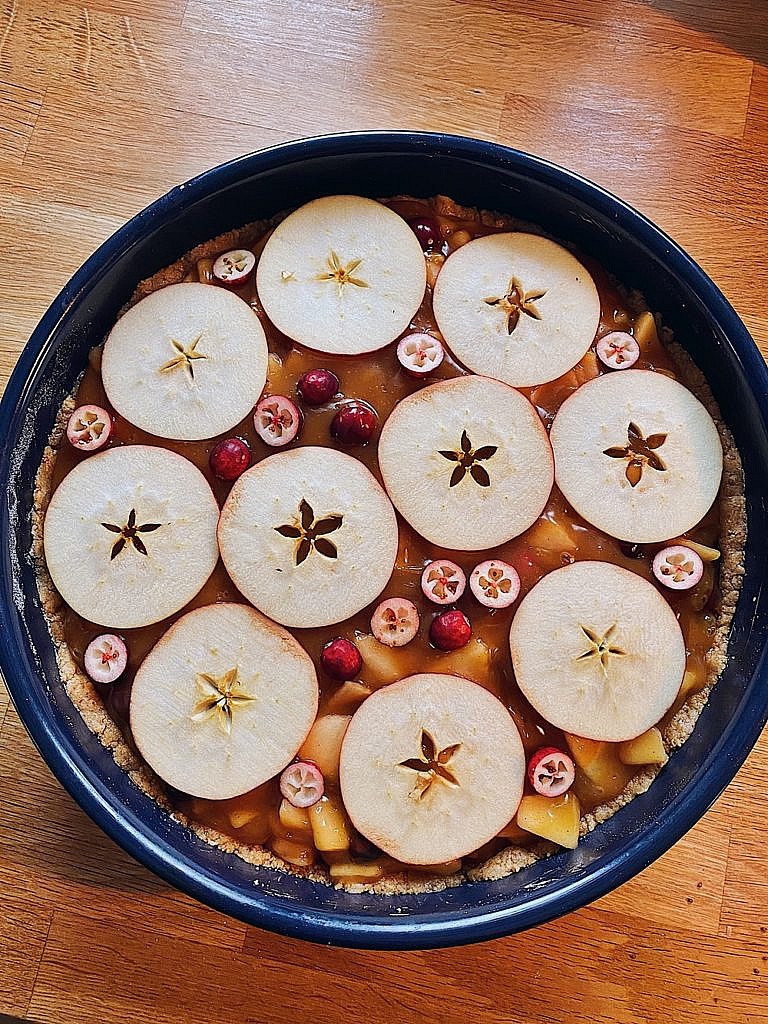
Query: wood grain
106	104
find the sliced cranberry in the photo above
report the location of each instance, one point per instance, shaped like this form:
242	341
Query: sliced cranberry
618	350
551	772
494	583
427	232
341	659
395	622
317	387
105	658
89	428
354	423
230	458
450	630
234	267
302	784
443	581
419	354
277	420
678	567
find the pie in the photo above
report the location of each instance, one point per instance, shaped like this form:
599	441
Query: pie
395	544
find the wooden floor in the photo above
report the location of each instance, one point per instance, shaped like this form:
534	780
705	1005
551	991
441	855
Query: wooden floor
103	108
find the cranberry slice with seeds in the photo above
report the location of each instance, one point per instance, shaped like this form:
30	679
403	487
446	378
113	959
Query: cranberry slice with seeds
317	387
105	658
419	354
395	622
678	567
354	423
230	458
277	420
450	630
341	659
494	583
234	267
443	581
618	350
302	784
551	772
89	428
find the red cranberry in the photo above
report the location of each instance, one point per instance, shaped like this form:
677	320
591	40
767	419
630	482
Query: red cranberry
317	387
341	659
354	423
427	232
450	630
230	458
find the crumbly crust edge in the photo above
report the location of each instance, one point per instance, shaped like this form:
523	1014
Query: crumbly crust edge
511	859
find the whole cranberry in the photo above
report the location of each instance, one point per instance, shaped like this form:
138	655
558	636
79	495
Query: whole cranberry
450	630
317	387
354	423
230	458
341	659
427	232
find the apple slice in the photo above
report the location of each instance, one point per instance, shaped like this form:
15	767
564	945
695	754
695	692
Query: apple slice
597	651
432	767
342	274
517	307
637	455
130	535
187	362
467	462
308	536
223	701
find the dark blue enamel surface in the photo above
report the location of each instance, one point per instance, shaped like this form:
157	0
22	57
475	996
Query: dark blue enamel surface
472	172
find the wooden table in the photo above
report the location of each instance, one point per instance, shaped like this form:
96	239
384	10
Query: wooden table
103	108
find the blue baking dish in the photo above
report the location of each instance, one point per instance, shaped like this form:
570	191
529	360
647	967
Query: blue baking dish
379	164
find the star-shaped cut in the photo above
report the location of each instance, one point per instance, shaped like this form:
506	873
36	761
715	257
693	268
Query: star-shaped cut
342	274
311	533
639	452
516	301
600	647
466	459
185	356
221	695
431	766
128	534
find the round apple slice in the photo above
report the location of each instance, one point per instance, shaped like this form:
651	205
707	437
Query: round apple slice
597	651
223	701
130	535
342	274
187	362
467	462
517	307
308	536
432	767
637	455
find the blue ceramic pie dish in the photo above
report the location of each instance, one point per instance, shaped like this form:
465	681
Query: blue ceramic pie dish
379	164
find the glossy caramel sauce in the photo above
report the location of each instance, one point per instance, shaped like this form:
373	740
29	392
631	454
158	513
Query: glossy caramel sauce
558	537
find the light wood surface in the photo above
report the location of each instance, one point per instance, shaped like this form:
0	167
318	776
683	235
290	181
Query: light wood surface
103	108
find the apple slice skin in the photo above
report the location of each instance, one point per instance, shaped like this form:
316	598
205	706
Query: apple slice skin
156	387
558	666
595	425
131	589
448	821
424	434
260	543
550	329
275	674
387	275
